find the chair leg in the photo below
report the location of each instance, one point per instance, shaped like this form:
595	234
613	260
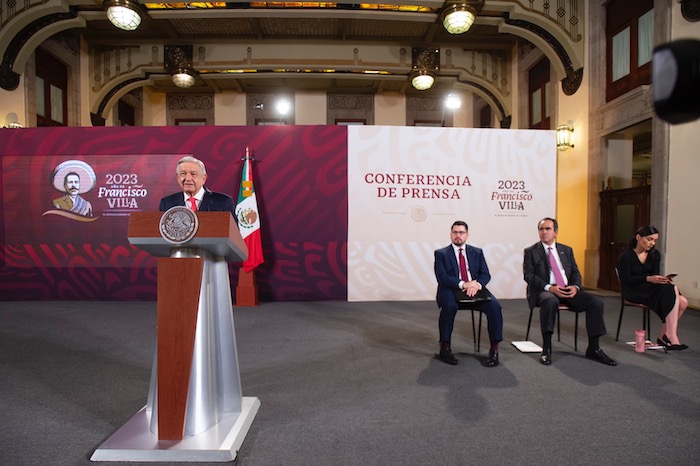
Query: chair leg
478	344
474	330
558	325
647	318
619	322
527	334
576	333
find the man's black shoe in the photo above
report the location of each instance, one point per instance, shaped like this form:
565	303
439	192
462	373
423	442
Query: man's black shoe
546	356
598	355
492	360
447	357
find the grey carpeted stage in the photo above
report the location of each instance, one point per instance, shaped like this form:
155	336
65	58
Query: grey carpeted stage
356	384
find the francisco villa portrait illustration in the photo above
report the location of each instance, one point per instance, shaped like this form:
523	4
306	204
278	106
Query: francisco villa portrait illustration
72	178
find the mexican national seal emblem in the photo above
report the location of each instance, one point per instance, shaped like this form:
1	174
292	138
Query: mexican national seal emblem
178	225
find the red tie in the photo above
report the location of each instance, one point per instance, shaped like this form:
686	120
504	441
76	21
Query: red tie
463	267
555	269
193	203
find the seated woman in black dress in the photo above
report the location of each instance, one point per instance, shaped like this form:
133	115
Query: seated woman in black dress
642	283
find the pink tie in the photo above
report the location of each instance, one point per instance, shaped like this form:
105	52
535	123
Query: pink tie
555	269
463	267
193	203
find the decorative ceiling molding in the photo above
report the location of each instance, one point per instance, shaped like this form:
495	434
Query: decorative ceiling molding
9	79
279	41
574	77
97	118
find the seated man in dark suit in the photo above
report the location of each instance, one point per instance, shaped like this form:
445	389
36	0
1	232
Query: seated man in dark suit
191	175
461	272
547	286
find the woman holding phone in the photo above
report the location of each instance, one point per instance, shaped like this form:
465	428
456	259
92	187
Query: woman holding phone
642	282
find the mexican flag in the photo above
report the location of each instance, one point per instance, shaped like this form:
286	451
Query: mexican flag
248	217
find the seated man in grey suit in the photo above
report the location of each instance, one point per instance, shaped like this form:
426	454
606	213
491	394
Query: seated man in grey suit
461	272
548	285
191	175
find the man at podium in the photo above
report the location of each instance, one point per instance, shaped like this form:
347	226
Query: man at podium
191	176
195	409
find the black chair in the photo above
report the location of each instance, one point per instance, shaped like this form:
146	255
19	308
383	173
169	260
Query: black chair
469	304
562	307
646	319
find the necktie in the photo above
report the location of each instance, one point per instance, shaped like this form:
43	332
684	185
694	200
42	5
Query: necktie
555	269
193	203
463	267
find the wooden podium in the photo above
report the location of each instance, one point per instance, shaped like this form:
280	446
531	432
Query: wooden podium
195	410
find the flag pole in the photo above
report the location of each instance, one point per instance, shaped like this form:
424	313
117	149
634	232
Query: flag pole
247	287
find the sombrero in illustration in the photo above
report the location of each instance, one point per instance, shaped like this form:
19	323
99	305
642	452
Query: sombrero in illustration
72	178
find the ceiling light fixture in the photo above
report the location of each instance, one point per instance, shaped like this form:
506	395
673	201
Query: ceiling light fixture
124	14
458	17
425	65
184	78
422	79
178	62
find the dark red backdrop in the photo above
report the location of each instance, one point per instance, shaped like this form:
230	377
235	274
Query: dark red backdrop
300	175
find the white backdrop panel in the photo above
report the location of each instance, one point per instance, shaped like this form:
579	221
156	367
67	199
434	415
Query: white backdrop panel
407	185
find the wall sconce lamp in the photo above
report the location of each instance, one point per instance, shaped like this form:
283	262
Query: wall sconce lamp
458	16
124	14
11	121
426	63
565	137
178	62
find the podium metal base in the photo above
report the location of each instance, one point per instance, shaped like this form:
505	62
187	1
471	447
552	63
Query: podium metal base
135	442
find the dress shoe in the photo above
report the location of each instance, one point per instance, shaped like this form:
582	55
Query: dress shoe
670	346
546	356
492	360
598	355
447	357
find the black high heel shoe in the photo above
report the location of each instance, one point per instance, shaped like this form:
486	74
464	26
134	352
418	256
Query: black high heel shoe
670	346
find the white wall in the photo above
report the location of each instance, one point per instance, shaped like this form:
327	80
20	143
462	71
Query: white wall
310	108
154	104
230	108
390	109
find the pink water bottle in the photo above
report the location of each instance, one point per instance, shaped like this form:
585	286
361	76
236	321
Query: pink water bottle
639	340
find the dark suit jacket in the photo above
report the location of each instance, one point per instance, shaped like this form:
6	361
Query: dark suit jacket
211	201
447	271
536	269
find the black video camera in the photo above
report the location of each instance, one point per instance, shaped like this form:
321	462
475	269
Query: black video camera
676	81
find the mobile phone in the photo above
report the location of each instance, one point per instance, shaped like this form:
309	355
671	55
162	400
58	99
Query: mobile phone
671	275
